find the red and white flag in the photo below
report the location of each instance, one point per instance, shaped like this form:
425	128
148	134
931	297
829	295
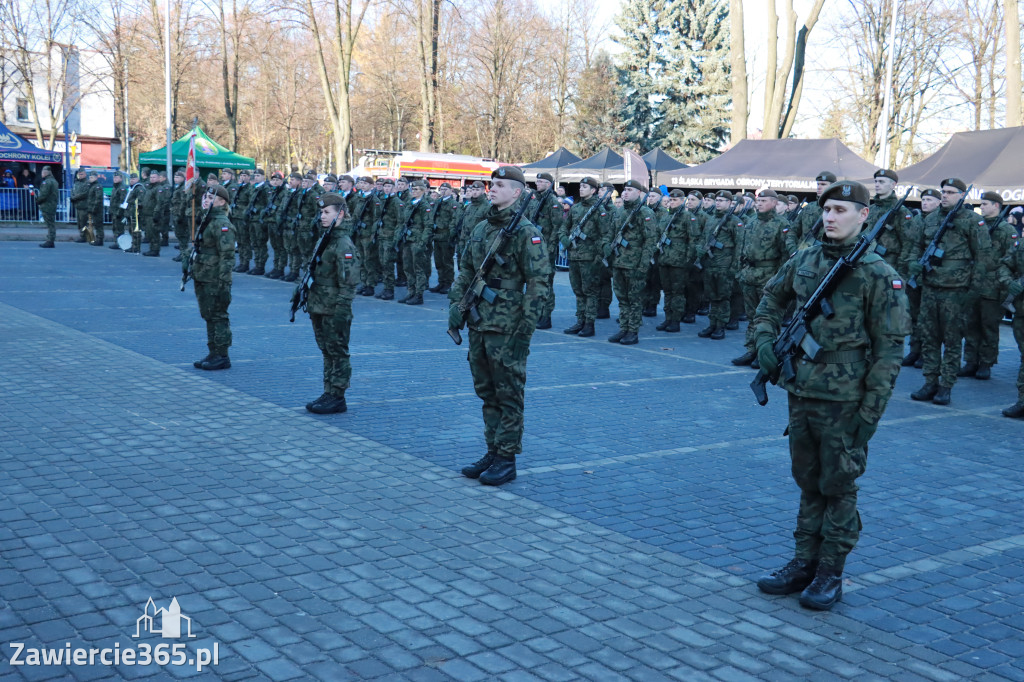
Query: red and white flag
190	165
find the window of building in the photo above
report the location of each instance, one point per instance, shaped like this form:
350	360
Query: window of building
22	109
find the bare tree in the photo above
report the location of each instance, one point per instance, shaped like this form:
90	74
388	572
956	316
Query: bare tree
232	33
970	68
1014	111
738	76
779	123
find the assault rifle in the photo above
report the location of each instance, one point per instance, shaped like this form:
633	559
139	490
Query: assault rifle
796	337
453	240
188	265
271	206
933	254
619	239
234	199
540	203
403	234
478	288
712	240
577	234
301	296
665	240
360	223
287	204
380	221
250	210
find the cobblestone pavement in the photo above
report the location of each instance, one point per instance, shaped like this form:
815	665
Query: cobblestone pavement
652	492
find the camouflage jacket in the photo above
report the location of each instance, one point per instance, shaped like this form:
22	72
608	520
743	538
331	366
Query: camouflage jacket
179	198
1002	237
1012	268
216	249
47	197
147	200
288	207
445	215
258	198
763	249
872	316
597	230
418	226
896	238
337	276
641	233
966	245
730	235
240	203
94	201
800	235
548	216
364	215
676	245
117	196
521	283
475	211
392	212
80	195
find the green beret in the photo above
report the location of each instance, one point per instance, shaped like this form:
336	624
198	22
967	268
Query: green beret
130	175
886	173
310	176
546	176
591	181
295	174
330	199
992	196
402	178
825	176
212	176
345	177
792	198
954	182
244	171
847	190
695	193
80	171
367	179
420	184
723	194
258	171
221	192
389	181
277	174
226	170
445	184
635	184
144	169
607	185
93	174
477	184
933	193
677	194
508	173
769	193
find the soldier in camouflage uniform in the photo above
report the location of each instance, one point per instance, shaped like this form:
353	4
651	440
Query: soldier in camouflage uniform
548	216
604	291
984	310
630	259
445	214
241	194
803	234
499	342
365	208
391	211
80	202
270	225
308	225
895	239
695	279
673	256
930	202
179	221
1011	278
163	212
475	211
945	290
131	211
413	237
762	253
836	402
584	243
117	214
94	206
652	290
288	217
330	304
148	204
720	263
46	200
212	275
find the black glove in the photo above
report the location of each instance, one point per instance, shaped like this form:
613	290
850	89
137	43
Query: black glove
862	431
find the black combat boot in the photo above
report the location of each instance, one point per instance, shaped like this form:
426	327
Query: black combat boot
478	467
919	363
502	470
199	363
732	325
332	404
793	577
942	396
650	312
46	245
275	274
257	271
588	330
323	396
706	331
926	392
575	329
617	336
754	364
825	590
404	298
968	370
291	276
368	290
603	313
984	372
164	241
672	327
436	289
243	268
177	259
544	322
704	309
745	359
401	283
97	242
663	326
910	358
414	300
387	295
1015	411
689	318
742	317
152	254
630	339
216	362
718	334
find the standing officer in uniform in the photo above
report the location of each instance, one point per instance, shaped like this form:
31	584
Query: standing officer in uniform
548	216
931	199
212	278
604	291
330	304
148	201
802	236
836	402
499	342
895	238
673	256
164	197
585	247
695	298
288	218
1011	277
652	290
364	221
117	214
945	290
131	211
719	264
630	260
80	201
763	252
413	238
270	230
391	212
239	216
179	220
984	310
94	205
46	200
445	215
475	212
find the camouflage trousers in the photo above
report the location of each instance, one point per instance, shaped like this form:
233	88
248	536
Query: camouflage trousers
50	218
629	289
736	302
258	242
981	330
82	218
388	258
182	232
244	239
369	259
825	466
444	260
751	297
548	306
305	242
914	296
604	292
940	323
694	291
674	281
718	286
1018	336
152	232
416	260
332	334
97	224
214	299
500	382
293	250
652	288
276	236
585	280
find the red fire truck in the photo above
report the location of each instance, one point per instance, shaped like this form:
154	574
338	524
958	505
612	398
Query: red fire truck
455	169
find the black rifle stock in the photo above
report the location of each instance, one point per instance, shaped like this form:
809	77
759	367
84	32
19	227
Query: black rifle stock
301	296
796	337
540	203
478	288
933	253
186	273
360	223
712	240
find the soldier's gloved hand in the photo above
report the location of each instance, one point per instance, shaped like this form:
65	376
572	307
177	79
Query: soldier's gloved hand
701	252
564	241
519	347
1016	288
915	269
766	355
454	317
607	250
862	431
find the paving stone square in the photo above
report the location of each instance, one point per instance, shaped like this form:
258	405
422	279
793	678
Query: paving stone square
652	492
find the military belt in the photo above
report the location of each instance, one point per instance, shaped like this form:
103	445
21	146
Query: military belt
761	263
839	357
956	261
511	284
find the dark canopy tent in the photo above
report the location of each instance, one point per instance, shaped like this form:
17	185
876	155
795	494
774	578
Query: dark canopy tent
657	160
990	159
789	165
606	165
550	164
15	148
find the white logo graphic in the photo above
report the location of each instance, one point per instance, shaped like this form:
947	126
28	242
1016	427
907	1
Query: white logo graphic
170	620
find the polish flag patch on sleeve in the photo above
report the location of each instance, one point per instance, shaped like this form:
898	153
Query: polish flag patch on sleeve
897	284
348	256
535	240
224	229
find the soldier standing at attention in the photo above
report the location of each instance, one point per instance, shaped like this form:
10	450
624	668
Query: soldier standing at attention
365	208
240	219
720	263
945	290
1011	277
147	214
695	279
287	217
475	211
803	235
835	403
630	260
179	221
131	211
931	199
391	212
164	208
330	304
278	193
895	238
604	291
94	205
445	212
673	256
548	216
414	238
46	200
212	275
984	310
584	243
80	201
652	290
117	214
499	342
763	252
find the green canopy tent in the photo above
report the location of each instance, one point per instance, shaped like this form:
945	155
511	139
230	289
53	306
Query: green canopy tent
209	154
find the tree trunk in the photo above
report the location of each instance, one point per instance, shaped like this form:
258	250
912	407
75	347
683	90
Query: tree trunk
1014	113
738	75
772	37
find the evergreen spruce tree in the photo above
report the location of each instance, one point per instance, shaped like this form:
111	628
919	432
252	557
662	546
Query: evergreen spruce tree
640	70
596	122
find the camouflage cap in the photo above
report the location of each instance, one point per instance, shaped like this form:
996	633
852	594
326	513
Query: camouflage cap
992	196
826	176
933	193
331	199
954	182
723	194
886	173
635	184
222	192
508	173
545	176
847	190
